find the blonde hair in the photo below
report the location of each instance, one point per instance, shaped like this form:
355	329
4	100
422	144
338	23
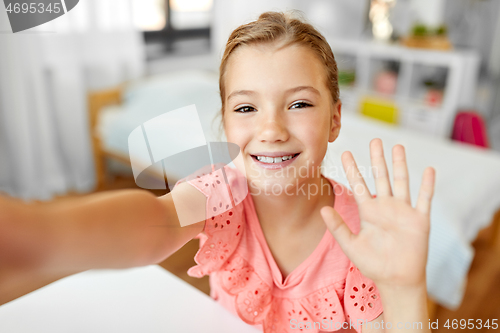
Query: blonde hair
287	29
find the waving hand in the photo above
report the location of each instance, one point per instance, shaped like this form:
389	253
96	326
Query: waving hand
391	246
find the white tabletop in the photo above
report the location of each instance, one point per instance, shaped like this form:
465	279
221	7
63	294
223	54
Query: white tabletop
145	299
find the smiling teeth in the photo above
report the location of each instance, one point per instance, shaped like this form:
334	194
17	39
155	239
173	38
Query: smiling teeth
266	159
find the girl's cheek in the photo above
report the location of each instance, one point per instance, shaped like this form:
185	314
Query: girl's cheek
235	132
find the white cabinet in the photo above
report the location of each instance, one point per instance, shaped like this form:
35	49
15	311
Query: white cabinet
426	87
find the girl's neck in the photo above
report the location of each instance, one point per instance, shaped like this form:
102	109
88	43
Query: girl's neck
295	210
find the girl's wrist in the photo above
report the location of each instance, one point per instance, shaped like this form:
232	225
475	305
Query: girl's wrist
393	286
397	292
405	304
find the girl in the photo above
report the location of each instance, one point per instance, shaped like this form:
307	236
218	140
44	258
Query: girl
299	252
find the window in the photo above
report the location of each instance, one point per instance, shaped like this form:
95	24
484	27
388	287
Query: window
174	26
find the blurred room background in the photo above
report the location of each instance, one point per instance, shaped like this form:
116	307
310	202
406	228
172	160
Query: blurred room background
427	67
48	71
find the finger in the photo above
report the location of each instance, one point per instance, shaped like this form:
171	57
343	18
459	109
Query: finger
358	185
381	174
401	180
337	227
426	191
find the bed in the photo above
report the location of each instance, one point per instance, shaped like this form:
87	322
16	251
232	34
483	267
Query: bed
468	178
115	113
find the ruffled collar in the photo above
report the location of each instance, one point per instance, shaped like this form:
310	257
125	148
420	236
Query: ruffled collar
255	297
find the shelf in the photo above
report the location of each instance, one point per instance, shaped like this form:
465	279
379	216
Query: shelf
422	119
416	88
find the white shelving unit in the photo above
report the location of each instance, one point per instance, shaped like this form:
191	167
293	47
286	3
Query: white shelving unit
459	68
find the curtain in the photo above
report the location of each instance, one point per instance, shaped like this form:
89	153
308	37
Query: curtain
45	75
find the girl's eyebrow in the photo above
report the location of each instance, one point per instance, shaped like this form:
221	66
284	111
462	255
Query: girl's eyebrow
240	92
300	88
289	91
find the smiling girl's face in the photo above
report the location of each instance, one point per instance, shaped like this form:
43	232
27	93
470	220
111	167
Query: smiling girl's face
278	108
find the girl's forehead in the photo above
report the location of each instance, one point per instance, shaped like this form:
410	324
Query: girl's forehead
273	52
255	64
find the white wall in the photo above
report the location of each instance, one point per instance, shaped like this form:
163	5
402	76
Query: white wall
335	18
429	12
229	14
342	19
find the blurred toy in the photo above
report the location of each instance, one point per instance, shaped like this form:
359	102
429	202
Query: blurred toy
470	128
380	109
435	84
434	97
386	82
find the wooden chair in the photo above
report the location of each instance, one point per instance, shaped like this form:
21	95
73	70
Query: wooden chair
96	101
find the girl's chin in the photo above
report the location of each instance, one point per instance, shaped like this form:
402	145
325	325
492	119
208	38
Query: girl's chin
268	184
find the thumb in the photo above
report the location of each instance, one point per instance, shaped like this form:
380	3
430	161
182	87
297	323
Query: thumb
337	227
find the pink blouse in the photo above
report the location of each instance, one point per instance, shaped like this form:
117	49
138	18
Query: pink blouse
325	293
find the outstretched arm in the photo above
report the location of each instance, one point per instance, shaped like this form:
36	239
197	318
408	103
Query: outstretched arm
391	246
43	242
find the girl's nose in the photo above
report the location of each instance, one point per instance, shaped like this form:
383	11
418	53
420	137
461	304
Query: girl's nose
272	128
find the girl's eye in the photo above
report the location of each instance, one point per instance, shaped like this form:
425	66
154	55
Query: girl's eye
245	109
300	105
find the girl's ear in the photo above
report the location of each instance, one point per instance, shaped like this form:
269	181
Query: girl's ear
335	123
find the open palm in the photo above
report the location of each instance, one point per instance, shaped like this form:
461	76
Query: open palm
391	246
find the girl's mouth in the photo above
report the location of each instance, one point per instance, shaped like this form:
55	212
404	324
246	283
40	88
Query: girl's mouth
274	162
